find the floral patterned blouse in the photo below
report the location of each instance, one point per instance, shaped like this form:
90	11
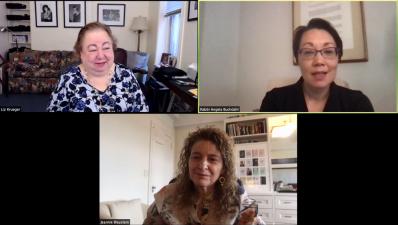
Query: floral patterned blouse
73	93
160	212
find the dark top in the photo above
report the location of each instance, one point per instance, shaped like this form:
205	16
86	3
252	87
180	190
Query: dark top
291	99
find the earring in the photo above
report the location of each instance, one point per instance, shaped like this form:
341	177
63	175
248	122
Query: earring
223	180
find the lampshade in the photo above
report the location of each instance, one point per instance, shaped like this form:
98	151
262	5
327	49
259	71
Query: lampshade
283	131
139	23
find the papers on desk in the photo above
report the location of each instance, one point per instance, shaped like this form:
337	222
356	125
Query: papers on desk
179	77
194	91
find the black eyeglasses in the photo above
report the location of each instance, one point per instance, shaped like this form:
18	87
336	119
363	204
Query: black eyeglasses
327	53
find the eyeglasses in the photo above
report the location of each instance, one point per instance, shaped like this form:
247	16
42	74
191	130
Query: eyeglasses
327	53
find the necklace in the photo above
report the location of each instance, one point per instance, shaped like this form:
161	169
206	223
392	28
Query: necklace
110	75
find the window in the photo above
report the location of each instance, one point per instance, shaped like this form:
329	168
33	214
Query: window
173	16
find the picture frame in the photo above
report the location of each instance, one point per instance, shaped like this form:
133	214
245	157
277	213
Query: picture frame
112	15
347	18
172	61
192	10
27	58
165	58
74	14
46	13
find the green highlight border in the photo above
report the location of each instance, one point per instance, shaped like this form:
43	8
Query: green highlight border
396	91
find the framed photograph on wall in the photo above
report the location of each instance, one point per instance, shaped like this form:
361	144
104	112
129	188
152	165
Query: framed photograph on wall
112	15
46	13
346	17
74	14
192	10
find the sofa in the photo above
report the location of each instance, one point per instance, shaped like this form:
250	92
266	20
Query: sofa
40	77
132	209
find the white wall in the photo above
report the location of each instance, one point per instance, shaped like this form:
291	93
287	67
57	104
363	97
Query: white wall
124	155
219	40
264	36
65	38
188	53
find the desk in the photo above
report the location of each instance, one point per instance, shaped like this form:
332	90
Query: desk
181	91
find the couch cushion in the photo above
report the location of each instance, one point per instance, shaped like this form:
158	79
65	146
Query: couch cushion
127	210
136	61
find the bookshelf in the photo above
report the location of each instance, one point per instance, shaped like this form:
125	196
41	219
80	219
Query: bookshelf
24	22
273	207
250	136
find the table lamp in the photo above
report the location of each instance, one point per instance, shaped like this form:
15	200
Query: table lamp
139	25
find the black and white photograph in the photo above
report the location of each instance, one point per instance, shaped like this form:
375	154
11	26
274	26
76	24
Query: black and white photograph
111	14
255	162
248	172
46	14
263	181
242	164
74	14
192	10
242	154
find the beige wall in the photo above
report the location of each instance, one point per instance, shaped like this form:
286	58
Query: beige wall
257	38
151	41
64	38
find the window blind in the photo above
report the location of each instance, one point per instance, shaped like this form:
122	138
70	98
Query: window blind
173	7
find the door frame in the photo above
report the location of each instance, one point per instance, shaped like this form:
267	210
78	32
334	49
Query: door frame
151	144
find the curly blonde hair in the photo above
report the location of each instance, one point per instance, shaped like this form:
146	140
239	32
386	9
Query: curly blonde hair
224	196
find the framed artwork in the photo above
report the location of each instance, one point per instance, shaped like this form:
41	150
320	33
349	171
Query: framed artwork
165	58
346	17
252	169
46	13
112	15
27	58
74	14
192	10
172	61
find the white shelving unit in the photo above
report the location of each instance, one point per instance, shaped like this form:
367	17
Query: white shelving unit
250	135
19	22
274	208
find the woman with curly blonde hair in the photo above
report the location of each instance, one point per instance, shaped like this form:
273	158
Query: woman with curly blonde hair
206	190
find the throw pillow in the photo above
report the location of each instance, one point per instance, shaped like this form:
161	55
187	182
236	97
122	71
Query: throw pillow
128	210
135	61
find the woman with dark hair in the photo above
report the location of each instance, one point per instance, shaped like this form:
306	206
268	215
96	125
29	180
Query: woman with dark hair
46	15
207	190
318	49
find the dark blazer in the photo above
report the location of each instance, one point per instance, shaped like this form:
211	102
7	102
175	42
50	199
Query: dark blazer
291	99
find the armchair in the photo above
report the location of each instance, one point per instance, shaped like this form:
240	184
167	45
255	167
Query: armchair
138	62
